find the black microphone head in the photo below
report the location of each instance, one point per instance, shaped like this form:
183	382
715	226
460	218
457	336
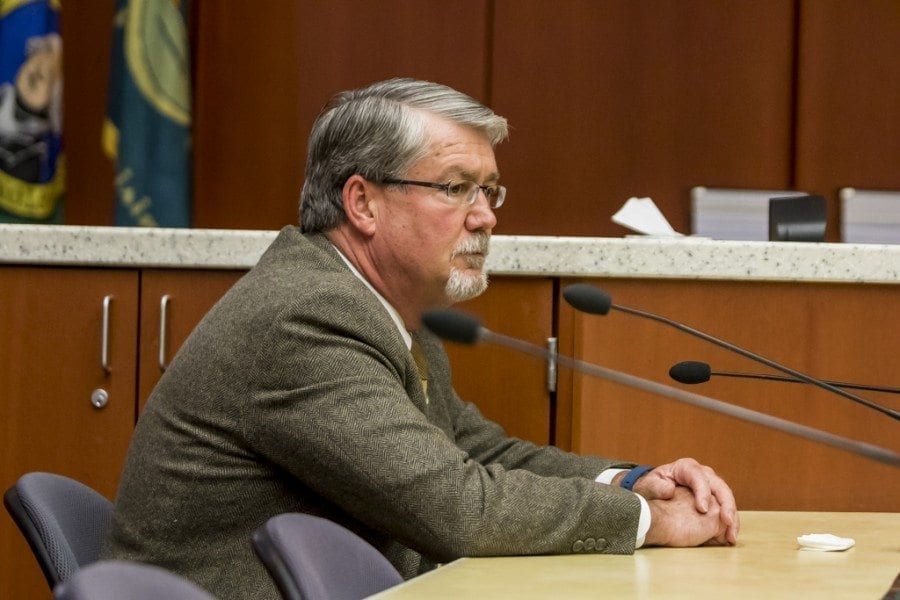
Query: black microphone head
587	298
690	371
453	326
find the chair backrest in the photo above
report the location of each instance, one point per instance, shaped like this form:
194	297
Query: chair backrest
733	214
312	558
64	521
118	580
870	216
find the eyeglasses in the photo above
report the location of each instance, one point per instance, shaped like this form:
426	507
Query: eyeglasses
460	191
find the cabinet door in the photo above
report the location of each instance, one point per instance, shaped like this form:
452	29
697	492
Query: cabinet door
172	303
509	387
50	364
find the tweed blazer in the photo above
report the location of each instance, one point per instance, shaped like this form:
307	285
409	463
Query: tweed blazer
296	392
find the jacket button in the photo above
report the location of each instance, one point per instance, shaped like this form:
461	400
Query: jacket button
601	545
589	544
578	546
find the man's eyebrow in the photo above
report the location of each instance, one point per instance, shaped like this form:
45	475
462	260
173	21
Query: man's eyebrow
470	176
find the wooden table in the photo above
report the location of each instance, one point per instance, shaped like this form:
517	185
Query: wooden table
766	563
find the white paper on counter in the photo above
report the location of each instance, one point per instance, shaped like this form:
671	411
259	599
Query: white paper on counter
642	215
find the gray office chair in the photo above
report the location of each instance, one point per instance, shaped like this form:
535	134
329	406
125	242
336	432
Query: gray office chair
869	216
121	580
63	521
311	558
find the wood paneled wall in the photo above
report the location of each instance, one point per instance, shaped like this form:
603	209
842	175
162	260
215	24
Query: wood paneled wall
87	37
610	100
848	107
256	99
607	99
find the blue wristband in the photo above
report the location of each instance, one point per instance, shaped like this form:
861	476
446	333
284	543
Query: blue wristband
633	475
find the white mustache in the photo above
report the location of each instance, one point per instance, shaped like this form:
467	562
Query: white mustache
479	243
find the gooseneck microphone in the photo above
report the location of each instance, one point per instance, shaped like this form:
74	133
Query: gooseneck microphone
692	371
589	299
461	328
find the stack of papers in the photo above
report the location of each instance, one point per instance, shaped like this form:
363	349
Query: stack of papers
870	217
733	214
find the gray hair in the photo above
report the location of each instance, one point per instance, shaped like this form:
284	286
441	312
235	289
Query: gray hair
378	132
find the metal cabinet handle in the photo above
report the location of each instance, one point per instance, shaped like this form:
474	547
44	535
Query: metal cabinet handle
552	367
163	316
104	334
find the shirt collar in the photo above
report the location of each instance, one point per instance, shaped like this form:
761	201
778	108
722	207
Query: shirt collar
407	338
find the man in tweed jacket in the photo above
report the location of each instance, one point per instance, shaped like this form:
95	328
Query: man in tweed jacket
298	390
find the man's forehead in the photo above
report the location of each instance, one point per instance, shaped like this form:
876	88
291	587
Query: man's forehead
470	170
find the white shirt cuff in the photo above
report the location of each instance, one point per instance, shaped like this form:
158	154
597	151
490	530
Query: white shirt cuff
606	477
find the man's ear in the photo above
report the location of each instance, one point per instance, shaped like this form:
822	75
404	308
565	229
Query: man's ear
359	197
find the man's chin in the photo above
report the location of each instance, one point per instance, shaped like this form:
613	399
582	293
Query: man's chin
465	285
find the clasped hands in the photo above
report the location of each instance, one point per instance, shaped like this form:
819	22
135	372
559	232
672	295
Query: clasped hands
689	506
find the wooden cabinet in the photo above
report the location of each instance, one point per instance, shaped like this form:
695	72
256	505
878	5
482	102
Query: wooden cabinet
834	331
54	361
50	365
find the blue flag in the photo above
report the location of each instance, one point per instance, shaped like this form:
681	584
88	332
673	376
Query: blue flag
148	128
32	174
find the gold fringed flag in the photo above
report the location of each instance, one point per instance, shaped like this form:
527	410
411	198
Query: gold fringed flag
148	128
32	173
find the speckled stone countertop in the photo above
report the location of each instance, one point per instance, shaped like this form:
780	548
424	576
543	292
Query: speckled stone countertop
676	258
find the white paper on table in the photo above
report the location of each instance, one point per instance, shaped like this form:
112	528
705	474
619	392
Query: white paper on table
642	215
824	542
